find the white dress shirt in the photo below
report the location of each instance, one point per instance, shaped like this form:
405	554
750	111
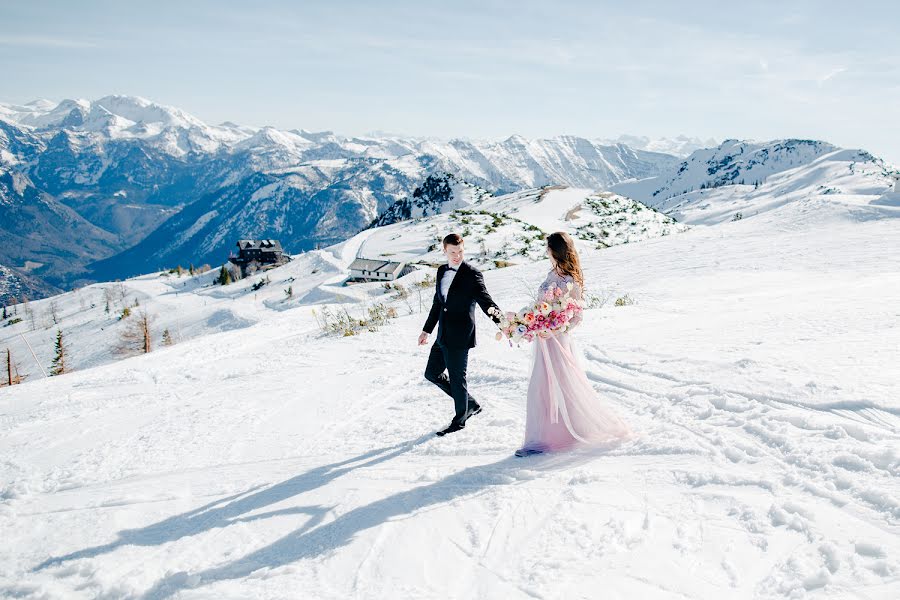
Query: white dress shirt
446	280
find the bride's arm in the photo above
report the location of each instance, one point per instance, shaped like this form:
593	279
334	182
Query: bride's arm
576	293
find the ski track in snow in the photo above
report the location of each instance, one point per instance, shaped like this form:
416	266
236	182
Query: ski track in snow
270	461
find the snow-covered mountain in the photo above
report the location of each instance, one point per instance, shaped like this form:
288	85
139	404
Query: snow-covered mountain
740	179
507	230
681	145
259	456
16	286
161	188
126	117
38	234
128	165
440	192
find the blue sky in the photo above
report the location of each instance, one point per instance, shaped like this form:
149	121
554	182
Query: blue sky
487	69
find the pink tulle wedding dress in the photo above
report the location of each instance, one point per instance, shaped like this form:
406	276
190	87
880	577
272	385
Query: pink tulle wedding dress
563	409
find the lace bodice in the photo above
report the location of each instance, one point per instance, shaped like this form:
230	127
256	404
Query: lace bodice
556	280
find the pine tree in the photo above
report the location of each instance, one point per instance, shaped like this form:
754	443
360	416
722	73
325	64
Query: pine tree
224	276
167	338
192	269
4	313
59	360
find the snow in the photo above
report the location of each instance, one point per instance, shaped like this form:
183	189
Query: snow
507	230
766	177
511	164
681	145
259	458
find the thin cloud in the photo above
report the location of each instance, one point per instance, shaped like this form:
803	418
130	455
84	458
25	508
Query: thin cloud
35	41
831	75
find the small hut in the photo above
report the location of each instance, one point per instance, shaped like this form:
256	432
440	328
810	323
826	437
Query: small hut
258	255
365	269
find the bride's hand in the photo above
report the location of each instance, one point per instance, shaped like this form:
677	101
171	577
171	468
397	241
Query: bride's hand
544	334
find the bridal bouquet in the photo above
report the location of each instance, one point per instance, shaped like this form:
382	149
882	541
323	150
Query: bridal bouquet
553	313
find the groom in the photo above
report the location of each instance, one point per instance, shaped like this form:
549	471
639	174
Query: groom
459	286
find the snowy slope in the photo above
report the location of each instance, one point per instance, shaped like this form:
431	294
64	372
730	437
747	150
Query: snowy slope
506	230
681	145
187	306
501	231
740	179
759	362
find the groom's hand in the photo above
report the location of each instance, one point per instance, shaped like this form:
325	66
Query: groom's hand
496	314
423	338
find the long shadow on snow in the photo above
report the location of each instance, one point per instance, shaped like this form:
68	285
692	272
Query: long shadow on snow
226	511
308	542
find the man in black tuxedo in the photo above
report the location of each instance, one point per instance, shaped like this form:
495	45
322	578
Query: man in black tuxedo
459	286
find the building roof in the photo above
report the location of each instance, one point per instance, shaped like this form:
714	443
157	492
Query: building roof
376	266
265	245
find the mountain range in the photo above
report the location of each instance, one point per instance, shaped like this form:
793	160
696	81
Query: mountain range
106	189
122	185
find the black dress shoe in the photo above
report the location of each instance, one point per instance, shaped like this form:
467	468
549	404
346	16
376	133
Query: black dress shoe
522	452
454	426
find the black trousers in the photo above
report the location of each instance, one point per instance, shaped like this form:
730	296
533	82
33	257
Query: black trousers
453	382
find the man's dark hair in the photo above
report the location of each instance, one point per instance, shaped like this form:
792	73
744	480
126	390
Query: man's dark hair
454	239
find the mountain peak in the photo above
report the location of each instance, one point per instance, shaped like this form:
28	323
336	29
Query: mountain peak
141	110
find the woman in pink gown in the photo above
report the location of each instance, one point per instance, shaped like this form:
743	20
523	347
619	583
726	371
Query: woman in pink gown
562	409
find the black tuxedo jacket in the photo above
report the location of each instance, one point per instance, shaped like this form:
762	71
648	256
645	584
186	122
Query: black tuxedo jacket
456	315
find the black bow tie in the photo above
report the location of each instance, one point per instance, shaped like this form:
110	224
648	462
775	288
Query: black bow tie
450	269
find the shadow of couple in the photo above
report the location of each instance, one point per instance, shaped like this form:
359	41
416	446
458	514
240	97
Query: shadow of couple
313	538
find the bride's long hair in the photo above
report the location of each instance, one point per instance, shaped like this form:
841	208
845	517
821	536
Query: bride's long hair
562	248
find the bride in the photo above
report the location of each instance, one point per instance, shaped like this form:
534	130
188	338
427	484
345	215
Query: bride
562	409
